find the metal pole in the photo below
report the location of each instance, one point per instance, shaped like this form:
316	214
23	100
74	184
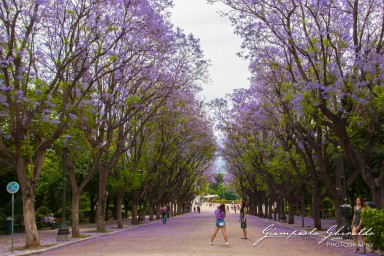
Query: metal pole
13	214
63	229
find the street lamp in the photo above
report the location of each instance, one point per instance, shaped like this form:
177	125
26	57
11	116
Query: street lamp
63	233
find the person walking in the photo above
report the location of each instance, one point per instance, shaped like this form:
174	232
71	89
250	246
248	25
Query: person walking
164	211
357	223
220	224
243	219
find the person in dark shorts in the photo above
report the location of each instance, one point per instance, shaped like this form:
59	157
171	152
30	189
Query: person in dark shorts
357	223
243	219
164	211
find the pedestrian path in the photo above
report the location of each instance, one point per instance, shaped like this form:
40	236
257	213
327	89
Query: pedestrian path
49	241
189	234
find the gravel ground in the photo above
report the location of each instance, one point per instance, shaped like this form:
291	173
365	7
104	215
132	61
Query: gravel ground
189	234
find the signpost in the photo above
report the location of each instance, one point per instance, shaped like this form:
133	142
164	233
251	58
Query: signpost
12	188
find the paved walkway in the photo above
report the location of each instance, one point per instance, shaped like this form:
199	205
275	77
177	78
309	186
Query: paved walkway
189	235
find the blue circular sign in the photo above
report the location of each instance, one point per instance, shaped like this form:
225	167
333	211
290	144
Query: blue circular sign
13	187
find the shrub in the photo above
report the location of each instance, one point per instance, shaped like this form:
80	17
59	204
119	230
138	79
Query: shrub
41	212
373	220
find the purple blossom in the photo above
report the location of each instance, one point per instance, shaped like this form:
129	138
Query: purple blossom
50	104
55	122
72	116
4	88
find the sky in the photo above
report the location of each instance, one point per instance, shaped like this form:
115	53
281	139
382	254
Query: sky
218	42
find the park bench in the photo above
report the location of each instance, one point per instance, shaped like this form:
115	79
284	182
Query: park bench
44	225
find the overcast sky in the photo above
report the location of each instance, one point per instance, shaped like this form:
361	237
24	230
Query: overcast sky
218	43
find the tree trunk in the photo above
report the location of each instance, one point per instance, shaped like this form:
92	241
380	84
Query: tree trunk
102	200
260	205
158	210
144	210
151	212
252	206
378	195
270	209
275	213
336	204
27	188
277	210
134	209
303	210
32	236
172	210
184	208
114	211
177	208
291	211
125	208
266	208
92	215
119	202
316	200
106	206
75	205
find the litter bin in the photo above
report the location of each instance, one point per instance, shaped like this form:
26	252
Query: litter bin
8	228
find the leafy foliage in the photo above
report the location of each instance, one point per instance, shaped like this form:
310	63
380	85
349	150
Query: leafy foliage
373	220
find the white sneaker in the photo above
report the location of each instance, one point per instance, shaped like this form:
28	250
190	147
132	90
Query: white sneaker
226	244
211	243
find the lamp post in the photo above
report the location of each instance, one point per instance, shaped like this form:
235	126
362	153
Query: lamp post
63	233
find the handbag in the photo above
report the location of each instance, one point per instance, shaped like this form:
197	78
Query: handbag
221	224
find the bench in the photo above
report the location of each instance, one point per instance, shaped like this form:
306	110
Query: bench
58	222
44	225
